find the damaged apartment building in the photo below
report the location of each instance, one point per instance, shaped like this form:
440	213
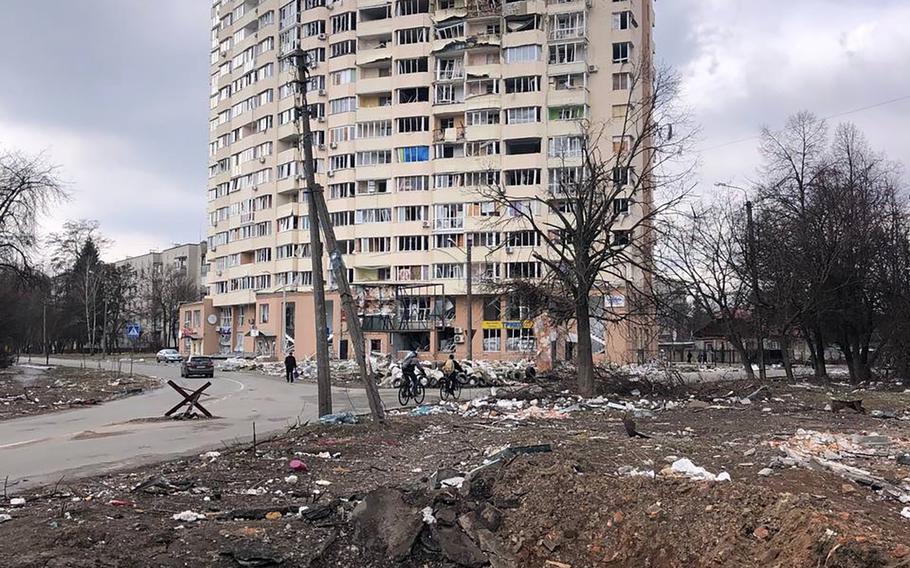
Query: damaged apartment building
415	105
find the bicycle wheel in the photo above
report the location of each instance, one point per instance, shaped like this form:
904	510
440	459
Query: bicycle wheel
456	388
419	393
404	393
443	391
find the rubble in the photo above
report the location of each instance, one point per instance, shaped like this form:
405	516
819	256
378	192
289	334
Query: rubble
188	516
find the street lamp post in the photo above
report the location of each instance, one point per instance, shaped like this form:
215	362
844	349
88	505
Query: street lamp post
753	274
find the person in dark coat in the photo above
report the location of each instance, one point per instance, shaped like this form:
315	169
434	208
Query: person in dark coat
290	364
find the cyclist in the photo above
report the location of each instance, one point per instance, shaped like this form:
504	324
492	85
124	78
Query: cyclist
409	366
449	370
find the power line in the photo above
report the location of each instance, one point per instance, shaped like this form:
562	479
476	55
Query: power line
835	115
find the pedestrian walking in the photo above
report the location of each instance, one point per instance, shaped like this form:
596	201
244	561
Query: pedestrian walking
290	366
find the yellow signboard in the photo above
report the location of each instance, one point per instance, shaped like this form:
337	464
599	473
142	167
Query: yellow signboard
491	325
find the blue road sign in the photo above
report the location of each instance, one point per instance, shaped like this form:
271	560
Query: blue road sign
133	330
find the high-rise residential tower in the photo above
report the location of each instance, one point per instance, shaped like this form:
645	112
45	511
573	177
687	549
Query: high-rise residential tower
415	106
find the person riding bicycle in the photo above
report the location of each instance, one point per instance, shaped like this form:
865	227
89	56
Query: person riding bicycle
409	366
449	370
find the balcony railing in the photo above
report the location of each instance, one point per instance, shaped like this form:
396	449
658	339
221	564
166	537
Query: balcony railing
567	33
448	134
448	224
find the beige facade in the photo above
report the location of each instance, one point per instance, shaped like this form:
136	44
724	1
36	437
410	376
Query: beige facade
418	104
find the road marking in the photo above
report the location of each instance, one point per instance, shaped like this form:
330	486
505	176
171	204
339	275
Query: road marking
26	442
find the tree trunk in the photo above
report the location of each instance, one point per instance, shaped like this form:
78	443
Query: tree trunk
785	357
585	355
821	370
847	350
744	356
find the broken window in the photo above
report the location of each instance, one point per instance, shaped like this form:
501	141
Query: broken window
522	115
522	84
567	53
413	124
624	20
413	35
414	95
450	30
522	23
413	183
523	146
622	51
416	65
523	177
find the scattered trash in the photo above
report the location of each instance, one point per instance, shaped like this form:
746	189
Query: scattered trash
292	479
273	515
323	482
453	482
766	472
188	516
297	465
686	468
210	455
428	517
905	512
723	476
17	502
339	418
4	517
903	459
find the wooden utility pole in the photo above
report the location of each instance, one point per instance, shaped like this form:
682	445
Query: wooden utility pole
750	227
323	379
469	331
316	199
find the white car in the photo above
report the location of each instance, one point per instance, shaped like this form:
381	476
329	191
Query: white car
168	356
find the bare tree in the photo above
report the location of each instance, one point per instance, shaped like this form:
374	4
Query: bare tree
703	251
28	187
594	225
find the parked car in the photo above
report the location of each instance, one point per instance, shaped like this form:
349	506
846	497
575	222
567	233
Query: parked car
197	365
168	356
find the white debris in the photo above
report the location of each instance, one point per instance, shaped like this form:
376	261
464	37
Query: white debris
323	482
210	455
4	518
723	476
292	479
188	516
17	502
256	491
906	512
765	472
417	470
324	455
454	482
685	467
428	517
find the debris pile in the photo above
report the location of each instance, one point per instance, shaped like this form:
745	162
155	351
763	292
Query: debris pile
870	460
32	389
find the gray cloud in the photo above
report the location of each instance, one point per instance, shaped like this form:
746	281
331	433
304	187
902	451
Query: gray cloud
117	92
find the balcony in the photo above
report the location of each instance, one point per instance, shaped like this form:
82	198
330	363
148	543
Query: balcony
576	32
449	134
448	225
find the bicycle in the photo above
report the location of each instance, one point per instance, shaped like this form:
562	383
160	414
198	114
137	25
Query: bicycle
451	386
411	390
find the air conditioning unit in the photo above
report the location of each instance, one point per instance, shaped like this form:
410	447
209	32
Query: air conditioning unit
255	188
593	69
323	37
320	119
459	331
321	146
333	145
508	250
261	160
218	273
322	92
330	173
329	7
459	339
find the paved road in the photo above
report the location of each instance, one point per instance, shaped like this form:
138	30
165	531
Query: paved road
86	441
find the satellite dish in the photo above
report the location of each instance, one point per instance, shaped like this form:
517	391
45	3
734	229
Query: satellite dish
213	319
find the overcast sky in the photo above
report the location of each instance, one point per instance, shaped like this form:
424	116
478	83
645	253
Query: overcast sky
116	92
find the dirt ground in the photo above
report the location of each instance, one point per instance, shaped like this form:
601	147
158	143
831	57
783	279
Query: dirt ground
26	390
575	491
